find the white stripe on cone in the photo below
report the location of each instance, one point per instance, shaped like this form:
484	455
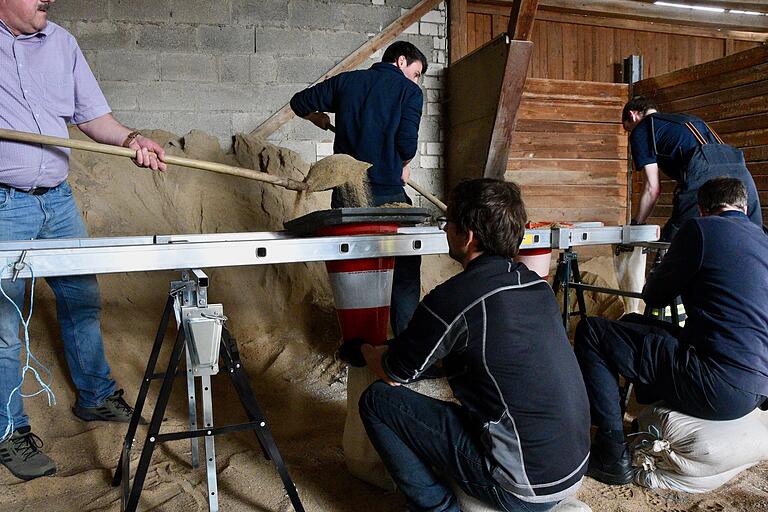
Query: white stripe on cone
362	289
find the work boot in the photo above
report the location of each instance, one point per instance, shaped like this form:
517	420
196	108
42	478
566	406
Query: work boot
21	454
609	461
114	408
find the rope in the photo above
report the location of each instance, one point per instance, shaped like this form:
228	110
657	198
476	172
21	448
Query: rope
30	358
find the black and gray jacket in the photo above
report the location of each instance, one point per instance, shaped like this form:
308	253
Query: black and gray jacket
497	329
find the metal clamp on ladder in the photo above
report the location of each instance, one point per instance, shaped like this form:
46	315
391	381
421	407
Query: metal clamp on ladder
201	331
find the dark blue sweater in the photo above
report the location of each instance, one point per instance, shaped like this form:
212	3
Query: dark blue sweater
719	265
496	327
378	111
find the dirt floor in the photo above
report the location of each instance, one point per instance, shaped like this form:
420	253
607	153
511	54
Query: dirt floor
283	319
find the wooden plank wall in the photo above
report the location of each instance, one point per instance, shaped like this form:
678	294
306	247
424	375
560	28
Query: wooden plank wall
730	94
591	48
569	151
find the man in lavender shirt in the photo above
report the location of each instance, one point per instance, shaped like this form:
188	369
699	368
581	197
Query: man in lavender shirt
46	84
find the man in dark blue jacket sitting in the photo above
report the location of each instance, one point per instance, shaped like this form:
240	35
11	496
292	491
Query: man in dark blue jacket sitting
519	440
716	367
378	111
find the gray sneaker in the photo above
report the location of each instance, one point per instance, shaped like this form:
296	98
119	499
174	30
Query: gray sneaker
114	408
22	456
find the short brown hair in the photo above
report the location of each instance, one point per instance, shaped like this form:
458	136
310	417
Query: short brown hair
721	192
493	210
407	50
637	104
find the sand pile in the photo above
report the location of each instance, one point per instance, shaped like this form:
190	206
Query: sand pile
340	171
283	319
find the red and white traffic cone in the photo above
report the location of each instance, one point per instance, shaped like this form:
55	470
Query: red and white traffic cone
362	290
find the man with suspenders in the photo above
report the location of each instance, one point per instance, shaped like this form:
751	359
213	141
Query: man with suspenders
686	150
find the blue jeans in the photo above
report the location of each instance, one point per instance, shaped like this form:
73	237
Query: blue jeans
648	353
406	278
78	306
419	437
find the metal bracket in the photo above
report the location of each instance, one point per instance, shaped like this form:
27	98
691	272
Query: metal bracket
560	238
203	329
19	266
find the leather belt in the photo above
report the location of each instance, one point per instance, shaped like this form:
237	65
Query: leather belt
35	191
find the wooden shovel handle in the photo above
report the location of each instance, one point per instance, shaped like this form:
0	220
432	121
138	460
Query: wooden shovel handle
107	149
421	190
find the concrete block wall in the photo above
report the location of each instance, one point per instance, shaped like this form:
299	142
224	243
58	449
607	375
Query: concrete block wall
224	66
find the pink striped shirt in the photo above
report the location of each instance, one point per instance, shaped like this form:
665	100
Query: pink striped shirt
45	83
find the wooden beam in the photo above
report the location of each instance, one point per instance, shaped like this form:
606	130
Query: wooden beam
706	70
743	5
457	29
512	85
649	26
521	19
631	9
351	61
651	12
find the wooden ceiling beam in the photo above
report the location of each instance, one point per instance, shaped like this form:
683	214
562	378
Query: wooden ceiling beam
651	26
743	5
650	12
521	18
644	11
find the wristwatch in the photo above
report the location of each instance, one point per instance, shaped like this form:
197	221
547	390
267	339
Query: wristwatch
129	138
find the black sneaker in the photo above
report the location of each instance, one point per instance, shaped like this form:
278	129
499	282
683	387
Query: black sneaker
22	456
114	408
609	461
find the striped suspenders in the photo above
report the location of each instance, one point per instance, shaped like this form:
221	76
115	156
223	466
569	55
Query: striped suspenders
688	124
699	137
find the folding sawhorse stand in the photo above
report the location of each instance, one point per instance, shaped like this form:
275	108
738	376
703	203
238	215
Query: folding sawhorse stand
202	333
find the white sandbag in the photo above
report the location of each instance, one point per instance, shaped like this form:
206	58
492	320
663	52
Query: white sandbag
360	456
688	454
630	273
468	503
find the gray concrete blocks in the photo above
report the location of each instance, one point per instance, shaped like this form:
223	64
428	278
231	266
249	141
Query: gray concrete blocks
303	70
224	66
128	66
188	67
82	9
120	95
200	11
314	14
260	12
162	37
263	68
139	10
104	35
234	68
368	18
335	44
225	39
282	42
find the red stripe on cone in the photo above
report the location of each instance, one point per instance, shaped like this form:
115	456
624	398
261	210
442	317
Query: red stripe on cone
369	324
360	265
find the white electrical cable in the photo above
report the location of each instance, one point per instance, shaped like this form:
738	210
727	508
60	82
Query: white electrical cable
30	358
